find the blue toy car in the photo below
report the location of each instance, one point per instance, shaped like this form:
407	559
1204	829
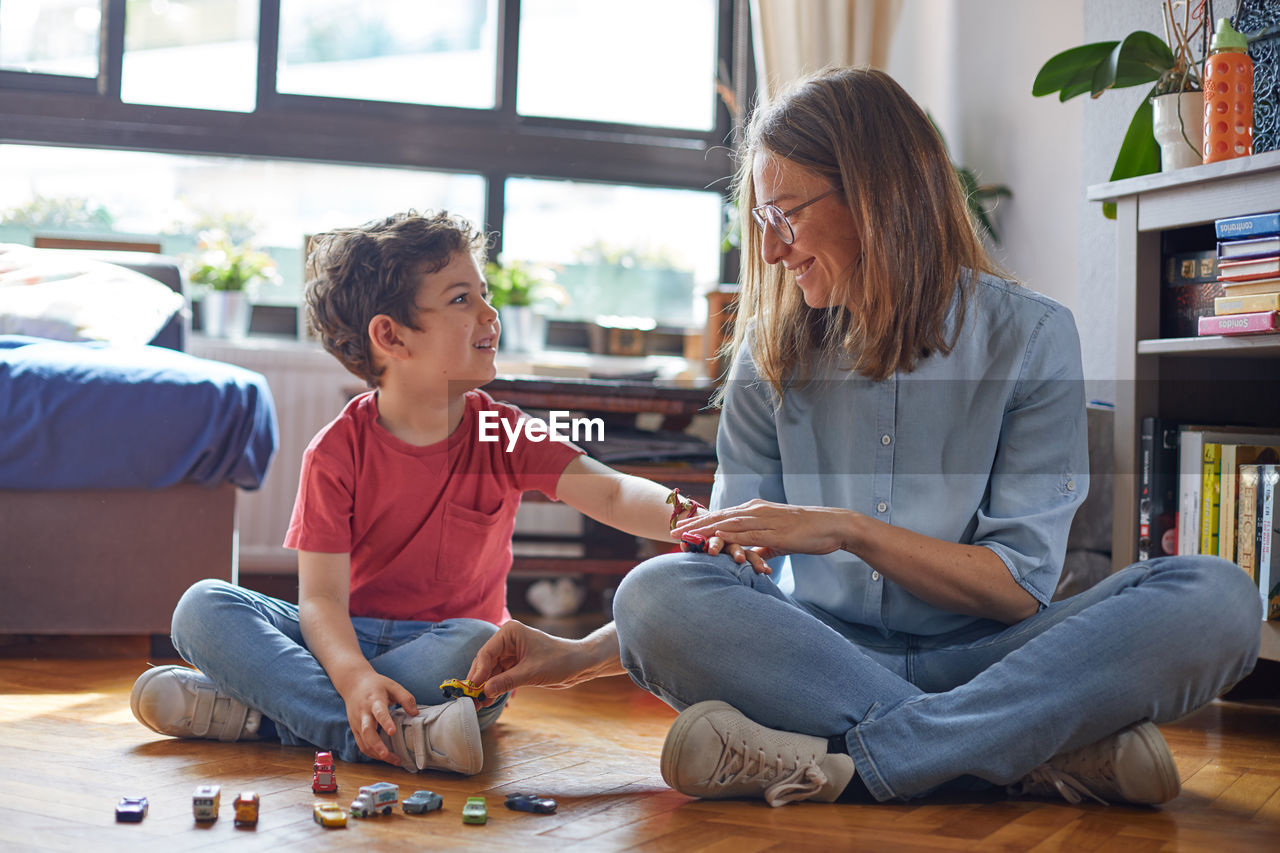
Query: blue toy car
531	803
131	809
422	801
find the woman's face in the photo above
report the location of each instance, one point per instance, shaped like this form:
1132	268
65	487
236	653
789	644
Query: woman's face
826	246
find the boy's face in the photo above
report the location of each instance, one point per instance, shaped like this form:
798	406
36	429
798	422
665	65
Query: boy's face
457	339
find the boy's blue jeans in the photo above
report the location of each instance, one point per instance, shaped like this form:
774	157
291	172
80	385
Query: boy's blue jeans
981	706
250	645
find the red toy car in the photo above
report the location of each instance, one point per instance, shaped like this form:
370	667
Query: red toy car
323	779
695	542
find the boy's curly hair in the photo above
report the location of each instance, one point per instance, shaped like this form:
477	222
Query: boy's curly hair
355	274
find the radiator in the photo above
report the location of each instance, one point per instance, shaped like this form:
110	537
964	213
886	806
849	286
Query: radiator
310	388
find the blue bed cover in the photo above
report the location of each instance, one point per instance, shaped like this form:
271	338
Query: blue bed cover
93	415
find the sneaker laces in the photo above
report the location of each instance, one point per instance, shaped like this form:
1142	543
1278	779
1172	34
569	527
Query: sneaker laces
1045	780
740	764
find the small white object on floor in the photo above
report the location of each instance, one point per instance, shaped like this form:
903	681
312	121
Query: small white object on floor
556	598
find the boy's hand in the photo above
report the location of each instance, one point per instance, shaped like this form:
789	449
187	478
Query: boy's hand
369	700
756	556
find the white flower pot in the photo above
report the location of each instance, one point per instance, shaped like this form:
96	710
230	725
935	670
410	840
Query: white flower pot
226	313
523	329
1178	122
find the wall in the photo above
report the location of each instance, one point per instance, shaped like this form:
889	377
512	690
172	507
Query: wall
971	65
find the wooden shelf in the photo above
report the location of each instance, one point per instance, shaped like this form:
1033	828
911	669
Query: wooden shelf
1177	378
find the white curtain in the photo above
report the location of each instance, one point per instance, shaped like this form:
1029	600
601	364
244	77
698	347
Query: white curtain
797	37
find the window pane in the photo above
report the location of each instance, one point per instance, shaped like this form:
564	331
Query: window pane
170	199
618	250
191	53
651	63
405	51
50	36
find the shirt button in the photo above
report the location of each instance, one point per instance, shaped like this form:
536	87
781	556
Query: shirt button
875	576
882	506
1071	485
885	439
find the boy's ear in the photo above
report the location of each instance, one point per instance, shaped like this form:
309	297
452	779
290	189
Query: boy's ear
384	334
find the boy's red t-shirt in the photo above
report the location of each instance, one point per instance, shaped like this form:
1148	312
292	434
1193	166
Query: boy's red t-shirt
428	528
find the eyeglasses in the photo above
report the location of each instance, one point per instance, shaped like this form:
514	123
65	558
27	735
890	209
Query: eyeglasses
772	215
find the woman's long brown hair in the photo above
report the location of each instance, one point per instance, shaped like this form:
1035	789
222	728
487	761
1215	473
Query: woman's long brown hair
858	129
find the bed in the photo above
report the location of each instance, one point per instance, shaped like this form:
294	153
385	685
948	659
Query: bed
120	454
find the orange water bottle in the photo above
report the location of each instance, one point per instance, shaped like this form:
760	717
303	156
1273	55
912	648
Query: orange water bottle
1228	96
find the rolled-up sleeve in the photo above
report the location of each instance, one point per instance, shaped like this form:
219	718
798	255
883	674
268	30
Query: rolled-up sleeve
1040	473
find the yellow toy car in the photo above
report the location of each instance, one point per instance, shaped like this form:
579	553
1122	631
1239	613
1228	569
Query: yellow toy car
453	688
329	815
247	806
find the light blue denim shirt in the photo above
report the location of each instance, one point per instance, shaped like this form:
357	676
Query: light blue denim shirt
984	446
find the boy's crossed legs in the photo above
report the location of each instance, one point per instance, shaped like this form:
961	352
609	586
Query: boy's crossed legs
257	678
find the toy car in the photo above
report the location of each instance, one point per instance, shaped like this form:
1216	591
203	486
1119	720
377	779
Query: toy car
453	688
323	778
329	814
205	802
131	809
531	803
422	801
247	805
695	542
474	811
378	798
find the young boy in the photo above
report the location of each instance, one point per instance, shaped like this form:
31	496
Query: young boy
402	524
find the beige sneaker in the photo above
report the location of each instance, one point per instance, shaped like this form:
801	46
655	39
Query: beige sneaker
182	702
439	737
714	752
1131	766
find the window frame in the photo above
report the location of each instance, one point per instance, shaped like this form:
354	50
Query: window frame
494	143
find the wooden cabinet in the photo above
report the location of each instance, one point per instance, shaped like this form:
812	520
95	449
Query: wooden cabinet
1211	380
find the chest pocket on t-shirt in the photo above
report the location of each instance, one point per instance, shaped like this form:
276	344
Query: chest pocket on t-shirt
472	544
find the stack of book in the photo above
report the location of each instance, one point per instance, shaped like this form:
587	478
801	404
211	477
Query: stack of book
1213	490
1249	272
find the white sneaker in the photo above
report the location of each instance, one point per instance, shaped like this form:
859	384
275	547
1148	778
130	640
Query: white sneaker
439	737
182	702
714	752
1131	766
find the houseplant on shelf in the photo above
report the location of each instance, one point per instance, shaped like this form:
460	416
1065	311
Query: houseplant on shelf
228	273
519	292
1138	59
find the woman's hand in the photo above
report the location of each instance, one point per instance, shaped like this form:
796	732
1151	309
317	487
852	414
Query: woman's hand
369	699
763	529
519	655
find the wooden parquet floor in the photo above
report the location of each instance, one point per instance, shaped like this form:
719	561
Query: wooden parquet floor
69	748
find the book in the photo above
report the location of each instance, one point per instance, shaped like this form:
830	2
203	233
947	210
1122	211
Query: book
1234	456
1191	441
1158	490
1249	288
1229	250
1247	522
1268	542
1183	304
1240	324
1249	304
1254	225
1249	270
1210	483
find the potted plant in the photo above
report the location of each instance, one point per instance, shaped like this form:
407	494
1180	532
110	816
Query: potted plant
229	273
1138	59
519	291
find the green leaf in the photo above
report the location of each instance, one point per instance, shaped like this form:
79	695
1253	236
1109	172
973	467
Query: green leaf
1140	58
1139	153
1070	68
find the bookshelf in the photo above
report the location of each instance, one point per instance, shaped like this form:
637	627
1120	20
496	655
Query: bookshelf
1212	380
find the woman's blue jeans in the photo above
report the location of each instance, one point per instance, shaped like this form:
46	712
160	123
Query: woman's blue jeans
250	645
990	702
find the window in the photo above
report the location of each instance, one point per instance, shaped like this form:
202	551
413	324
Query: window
50	37
587	135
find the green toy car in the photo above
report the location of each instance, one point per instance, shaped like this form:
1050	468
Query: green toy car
474	811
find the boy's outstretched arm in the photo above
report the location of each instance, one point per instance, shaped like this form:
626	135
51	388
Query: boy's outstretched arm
323	590
518	655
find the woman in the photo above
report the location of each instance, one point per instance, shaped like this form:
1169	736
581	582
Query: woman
903	437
